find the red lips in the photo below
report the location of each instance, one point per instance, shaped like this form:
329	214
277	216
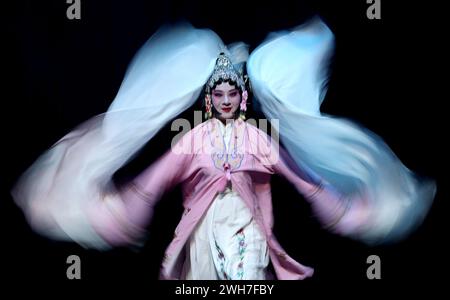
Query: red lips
226	109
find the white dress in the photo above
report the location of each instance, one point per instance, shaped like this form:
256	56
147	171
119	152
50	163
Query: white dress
227	243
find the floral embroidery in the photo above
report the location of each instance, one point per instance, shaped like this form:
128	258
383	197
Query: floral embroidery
221	257
242	247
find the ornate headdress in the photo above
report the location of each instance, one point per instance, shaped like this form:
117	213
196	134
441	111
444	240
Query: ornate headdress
225	70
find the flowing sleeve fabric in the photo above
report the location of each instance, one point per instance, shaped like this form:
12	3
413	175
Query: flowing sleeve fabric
288	74
348	215
122	216
165	78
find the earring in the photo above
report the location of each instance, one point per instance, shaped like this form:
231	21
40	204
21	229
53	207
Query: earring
208	113
243	104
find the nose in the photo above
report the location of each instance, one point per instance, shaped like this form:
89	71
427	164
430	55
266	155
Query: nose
226	101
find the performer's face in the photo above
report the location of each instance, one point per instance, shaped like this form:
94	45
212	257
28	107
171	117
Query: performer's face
226	100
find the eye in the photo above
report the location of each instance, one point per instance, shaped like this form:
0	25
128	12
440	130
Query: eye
233	94
217	94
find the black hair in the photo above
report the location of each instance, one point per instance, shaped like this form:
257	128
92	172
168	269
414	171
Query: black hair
230	82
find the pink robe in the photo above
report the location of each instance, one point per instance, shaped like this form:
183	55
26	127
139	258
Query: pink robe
197	162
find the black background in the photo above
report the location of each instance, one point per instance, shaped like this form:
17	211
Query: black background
61	72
